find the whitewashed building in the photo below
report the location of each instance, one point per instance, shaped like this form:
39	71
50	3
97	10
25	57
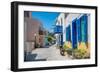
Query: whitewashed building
73	27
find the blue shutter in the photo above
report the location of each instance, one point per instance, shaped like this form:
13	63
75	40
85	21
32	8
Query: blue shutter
74	34
84	28
68	33
79	29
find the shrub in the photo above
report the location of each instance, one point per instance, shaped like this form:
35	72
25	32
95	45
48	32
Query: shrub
67	45
80	53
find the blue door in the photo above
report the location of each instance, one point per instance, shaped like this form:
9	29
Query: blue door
74	34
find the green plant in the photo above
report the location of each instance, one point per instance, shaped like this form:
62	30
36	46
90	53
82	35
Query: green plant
50	38
65	46
80	53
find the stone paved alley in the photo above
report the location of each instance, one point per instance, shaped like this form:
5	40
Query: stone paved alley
51	53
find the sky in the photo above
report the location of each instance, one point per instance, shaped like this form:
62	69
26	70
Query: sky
46	18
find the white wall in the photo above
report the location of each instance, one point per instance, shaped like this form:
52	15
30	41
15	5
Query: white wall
61	21
5	36
71	17
61	16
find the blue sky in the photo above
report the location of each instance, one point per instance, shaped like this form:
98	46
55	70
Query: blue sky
47	19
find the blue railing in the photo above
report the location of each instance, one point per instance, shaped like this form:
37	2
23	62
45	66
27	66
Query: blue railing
58	29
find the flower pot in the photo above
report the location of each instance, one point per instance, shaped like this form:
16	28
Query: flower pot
65	53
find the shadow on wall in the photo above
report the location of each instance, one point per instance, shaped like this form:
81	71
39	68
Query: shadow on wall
31	57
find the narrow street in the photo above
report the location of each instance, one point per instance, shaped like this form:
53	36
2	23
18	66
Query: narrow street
51	53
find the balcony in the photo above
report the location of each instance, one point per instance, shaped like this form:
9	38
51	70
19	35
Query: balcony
58	29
